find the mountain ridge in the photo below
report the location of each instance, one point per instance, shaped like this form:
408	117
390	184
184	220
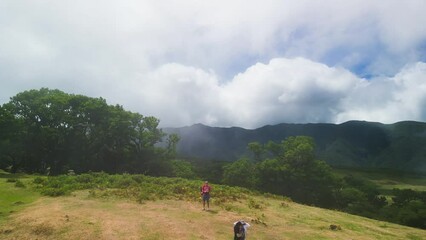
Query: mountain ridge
361	144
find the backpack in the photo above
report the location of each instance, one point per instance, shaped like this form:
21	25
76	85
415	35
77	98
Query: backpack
239	231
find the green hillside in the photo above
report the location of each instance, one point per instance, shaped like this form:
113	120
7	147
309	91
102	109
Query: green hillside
100	206
399	146
387	180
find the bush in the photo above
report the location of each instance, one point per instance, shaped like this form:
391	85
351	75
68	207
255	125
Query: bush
144	196
19	184
54	192
39	180
255	204
140	188
124	182
84	178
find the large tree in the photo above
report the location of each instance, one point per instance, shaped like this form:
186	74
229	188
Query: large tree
240	173
49	130
294	171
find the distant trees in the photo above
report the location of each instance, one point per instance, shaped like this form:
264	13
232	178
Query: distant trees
408	207
51	131
296	172
183	169
290	170
240	173
359	196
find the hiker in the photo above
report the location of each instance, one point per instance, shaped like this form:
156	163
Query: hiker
240	230
205	193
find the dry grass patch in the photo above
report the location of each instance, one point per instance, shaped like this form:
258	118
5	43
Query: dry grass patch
82	217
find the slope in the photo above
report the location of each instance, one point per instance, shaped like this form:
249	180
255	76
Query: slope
398	146
136	211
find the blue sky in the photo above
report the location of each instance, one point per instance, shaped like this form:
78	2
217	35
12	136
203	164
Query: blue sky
224	63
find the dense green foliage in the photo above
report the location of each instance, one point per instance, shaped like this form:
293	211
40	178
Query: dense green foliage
408	208
240	173
398	146
49	131
136	186
291	169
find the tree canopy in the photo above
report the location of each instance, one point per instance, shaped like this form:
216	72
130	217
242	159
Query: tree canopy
287	168
51	131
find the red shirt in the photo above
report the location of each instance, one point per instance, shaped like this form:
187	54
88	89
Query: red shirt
205	189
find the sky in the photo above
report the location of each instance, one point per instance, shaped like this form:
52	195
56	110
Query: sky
245	63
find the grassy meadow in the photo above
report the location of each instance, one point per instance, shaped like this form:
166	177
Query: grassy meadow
14	195
102	206
387	180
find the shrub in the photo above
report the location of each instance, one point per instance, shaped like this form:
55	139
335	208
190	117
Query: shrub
39	180
284	205
19	184
124	182
138	178
255	204
54	192
84	178
137	187
230	208
145	194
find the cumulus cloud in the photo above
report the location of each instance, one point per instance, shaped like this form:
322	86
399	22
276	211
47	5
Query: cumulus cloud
388	100
283	90
287	90
177	94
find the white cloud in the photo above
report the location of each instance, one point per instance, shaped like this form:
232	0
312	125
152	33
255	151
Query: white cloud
223	63
388	100
286	90
178	95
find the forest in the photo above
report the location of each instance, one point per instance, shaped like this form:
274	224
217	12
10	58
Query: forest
50	132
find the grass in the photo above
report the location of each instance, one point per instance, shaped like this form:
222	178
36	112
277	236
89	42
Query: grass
14	194
388	180
139	188
101	206
93	218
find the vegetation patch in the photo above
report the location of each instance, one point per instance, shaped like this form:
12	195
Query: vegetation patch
252	203
13	196
140	188
411	236
108	211
43	229
19	184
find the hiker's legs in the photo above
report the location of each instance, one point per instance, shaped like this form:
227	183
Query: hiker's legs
206	198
